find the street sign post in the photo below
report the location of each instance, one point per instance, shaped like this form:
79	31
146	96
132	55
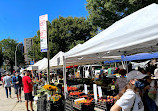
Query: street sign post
44	39
43	32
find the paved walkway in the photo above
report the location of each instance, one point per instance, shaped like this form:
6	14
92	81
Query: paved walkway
10	104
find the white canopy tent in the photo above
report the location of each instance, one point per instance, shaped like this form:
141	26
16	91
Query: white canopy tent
141	64
57	60
42	64
83	60
133	34
21	70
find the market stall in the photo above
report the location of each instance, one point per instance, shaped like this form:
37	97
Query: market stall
123	37
41	64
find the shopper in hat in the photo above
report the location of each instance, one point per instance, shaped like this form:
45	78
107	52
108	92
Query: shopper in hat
28	87
129	99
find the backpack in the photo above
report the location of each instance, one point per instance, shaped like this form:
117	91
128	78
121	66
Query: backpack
20	80
14	79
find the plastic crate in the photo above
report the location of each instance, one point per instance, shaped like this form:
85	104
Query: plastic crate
68	105
41	103
57	106
101	105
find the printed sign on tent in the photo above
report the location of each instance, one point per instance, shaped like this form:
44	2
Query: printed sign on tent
100	91
43	32
85	89
95	91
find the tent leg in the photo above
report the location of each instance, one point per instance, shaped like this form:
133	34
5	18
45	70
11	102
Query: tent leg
126	64
74	71
123	64
64	76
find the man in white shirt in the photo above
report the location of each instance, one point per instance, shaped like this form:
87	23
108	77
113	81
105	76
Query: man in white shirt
7	84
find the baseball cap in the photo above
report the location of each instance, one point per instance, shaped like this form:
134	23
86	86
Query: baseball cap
135	75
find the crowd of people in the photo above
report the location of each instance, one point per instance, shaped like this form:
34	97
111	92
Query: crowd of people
136	90
19	83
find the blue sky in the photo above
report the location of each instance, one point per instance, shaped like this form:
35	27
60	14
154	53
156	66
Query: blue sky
19	19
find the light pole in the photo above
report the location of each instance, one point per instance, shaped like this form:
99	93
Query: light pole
15	55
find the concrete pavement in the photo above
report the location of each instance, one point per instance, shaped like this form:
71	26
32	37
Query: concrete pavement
10	104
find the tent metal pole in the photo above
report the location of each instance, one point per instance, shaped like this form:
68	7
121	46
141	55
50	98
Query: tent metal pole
126	64
64	76
123	64
74	70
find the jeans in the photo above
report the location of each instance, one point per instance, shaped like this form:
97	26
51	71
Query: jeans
6	89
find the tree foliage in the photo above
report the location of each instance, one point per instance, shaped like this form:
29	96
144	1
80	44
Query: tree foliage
8	50
103	13
64	34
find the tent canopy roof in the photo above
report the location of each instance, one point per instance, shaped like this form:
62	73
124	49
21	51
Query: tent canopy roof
42	64
57	60
133	34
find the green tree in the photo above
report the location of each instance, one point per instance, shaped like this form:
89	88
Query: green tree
64	34
68	32
8	50
103	13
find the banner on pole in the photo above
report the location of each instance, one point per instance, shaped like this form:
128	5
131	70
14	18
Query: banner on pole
43	32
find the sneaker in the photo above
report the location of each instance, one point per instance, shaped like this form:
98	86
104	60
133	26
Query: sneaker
10	96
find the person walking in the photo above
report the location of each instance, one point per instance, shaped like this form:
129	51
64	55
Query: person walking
17	83
7	84
129	99
28	86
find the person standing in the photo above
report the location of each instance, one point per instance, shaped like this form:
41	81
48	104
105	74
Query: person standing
109	71
17	83
28	86
129	99
7	84
102	72
122	81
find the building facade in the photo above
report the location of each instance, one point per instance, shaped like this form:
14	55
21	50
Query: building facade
28	42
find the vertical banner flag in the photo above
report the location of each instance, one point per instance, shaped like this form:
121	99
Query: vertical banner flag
100	91
43	32
95	91
85	89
